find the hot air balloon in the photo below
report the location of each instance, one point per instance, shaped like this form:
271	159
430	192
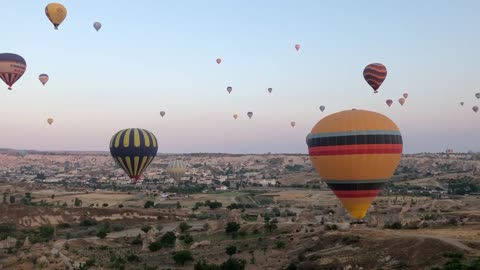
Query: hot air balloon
133	149
23	153
219	60
401	101
250	114
177	169
229	89
43	78
297	47
389	102
270	90
461	103
12	67
322	108
97	26
475	109
355	152
235	116
162	113
56	13
477	95
405	95
375	74
292	124
50	121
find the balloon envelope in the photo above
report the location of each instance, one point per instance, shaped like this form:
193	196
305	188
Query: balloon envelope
355	152
270	90
235	116
297	47
97	25
250	114
322	108
405	95
375	74
177	169
50	121
461	103
229	89
12	67
56	13
43	78
292	124
162	113
219	60
477	95
401	101
389	102
475	108
133	149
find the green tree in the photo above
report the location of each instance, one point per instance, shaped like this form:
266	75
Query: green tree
270	224
168	239
102	233
77	202
179	205
233	264
181	257
230	250
149	204
232	227
146	228
184	227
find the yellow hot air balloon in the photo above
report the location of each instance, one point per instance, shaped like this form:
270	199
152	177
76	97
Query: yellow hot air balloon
355	152
56	13
177	169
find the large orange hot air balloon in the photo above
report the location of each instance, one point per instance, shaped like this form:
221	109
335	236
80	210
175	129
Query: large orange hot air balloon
355	152
375	74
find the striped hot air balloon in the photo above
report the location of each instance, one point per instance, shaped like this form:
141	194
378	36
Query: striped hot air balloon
375	74
43	78
355	152
177	169
133	149
12	67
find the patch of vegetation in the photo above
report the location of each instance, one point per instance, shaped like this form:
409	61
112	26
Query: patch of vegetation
230	264
181	257
394	226
148	204
457	261
350	239
88	222
184	227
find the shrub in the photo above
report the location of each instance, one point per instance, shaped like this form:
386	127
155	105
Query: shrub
232	227
133	258
184	227
280	244
182	257
155	246
168	239
149	204
146	228
102	234
230	250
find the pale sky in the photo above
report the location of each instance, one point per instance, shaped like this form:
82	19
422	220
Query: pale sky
160	55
